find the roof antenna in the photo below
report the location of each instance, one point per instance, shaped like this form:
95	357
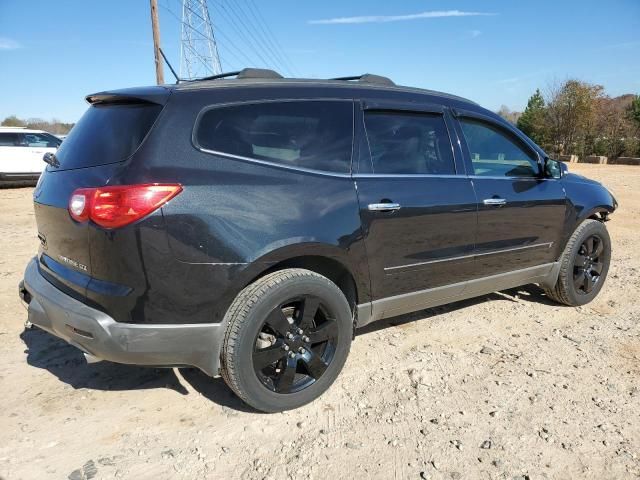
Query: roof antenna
178	79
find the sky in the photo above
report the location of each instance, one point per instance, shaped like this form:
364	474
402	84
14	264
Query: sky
495	52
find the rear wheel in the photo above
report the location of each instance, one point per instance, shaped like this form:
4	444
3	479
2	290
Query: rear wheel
584	265
288	336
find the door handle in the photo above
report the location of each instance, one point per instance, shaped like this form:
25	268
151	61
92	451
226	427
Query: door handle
383	207
494	202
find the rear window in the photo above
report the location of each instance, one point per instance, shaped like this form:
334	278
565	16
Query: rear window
106	134
308	134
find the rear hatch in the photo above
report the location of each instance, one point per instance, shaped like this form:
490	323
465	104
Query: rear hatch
107	135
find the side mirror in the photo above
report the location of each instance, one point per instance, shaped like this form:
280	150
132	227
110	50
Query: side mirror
554	168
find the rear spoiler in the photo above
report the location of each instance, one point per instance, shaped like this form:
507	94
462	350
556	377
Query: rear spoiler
152	95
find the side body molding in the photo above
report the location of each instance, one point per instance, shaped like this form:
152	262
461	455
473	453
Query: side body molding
400	304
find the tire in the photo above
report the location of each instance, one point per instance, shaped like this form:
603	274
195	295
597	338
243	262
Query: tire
256	334
572	286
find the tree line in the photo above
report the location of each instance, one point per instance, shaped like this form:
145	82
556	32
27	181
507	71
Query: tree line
578	118
52	126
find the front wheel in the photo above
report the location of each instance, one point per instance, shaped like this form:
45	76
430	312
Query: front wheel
583	265
287	338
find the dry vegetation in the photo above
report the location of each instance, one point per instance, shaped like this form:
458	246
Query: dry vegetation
578	118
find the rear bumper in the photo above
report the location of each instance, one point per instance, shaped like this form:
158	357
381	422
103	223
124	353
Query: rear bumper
99	335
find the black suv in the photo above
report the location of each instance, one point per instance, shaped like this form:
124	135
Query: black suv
248	224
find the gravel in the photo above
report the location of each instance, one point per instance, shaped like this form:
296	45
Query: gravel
552	390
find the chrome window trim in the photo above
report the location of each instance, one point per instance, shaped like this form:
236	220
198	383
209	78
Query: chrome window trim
458	175
405	175
496	177
473	255
203	111
274	164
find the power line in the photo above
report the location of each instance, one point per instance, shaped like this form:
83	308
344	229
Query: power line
240	33
228	42
253	8
197	29
251	28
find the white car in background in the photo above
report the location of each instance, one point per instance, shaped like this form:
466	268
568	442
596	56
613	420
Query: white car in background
21	152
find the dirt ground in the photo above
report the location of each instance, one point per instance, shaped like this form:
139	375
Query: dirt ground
508	385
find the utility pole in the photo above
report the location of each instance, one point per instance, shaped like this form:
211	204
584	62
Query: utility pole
155	25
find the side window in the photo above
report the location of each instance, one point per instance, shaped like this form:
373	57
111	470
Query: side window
308	134
8	139
494	153
409	143
41	140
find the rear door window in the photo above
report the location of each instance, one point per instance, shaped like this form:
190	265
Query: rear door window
409	143
107	133
307	134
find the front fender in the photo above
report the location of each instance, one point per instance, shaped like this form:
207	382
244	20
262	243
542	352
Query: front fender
586	198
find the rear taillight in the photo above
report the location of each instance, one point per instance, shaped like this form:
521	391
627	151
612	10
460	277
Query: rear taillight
120	205
79	204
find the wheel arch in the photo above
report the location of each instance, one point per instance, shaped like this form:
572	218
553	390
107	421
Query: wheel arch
345	265
586	200
599	212
348	273
328	266
347	270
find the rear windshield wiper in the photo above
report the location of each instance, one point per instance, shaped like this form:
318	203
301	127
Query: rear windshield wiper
51	159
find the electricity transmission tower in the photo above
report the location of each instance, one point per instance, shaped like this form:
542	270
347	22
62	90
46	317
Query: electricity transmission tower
198	50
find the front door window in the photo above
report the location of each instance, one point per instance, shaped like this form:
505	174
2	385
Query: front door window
494	153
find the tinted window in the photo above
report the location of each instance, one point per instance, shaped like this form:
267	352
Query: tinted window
11	140
41	140
409	143
106	134
308	134
493	153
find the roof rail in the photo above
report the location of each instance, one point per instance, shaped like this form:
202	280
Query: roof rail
258	73
368	78
240	74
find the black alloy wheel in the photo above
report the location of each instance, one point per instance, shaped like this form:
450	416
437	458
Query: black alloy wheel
583	266
588	265
287	337
295	345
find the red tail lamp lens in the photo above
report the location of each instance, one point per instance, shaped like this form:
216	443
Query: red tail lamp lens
120	205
